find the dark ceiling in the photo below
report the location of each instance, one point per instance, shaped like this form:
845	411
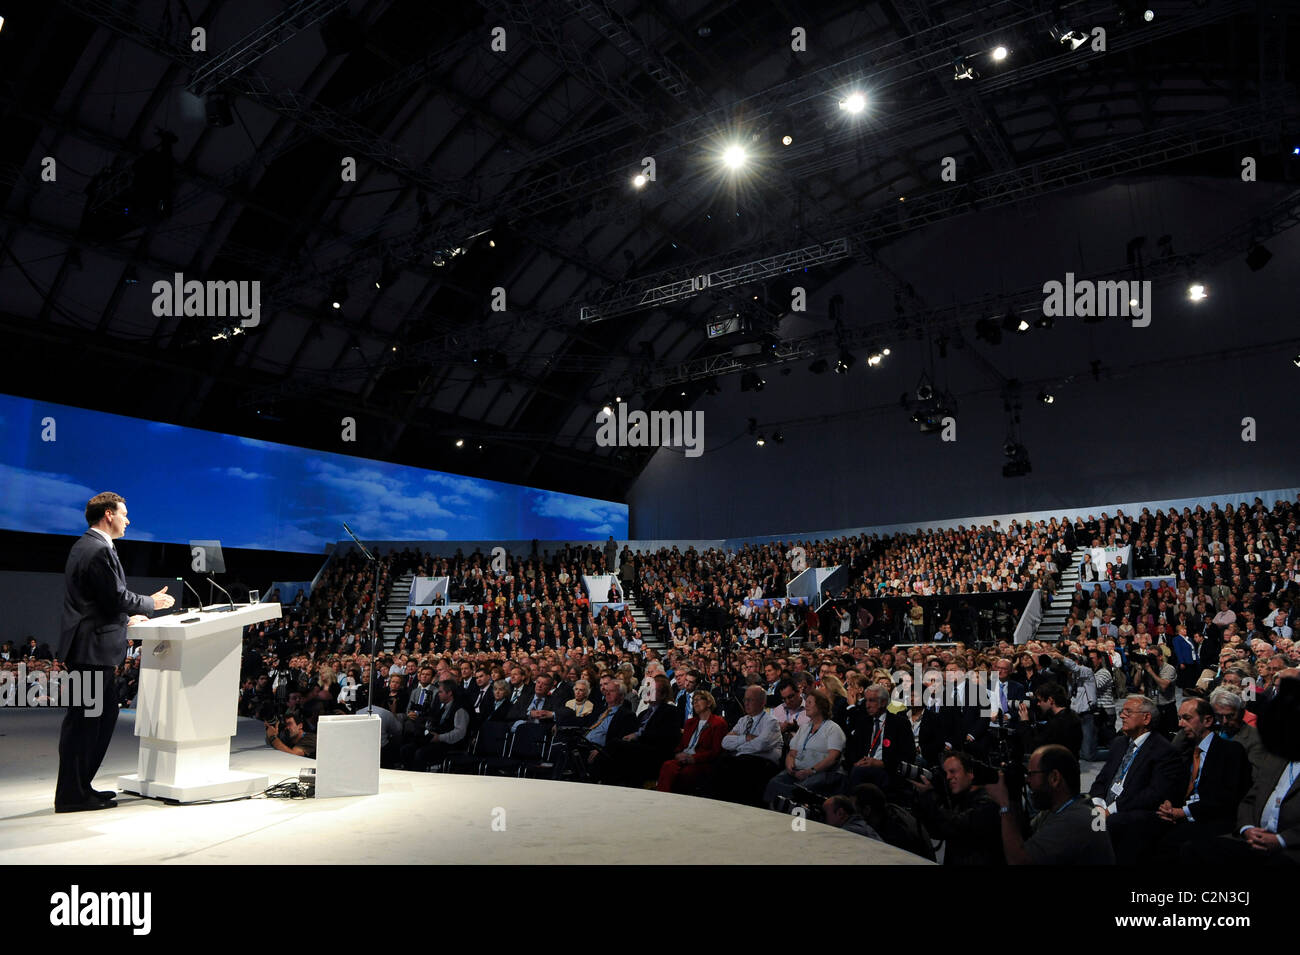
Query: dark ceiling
480	169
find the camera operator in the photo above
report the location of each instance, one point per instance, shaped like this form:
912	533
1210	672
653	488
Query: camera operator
1063	832
961	814
841	812
291	736
1056	725
1156	680
1085	699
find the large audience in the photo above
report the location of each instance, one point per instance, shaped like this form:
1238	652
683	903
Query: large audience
1190	673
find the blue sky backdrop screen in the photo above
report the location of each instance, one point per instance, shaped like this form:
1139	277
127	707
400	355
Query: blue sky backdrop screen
182	484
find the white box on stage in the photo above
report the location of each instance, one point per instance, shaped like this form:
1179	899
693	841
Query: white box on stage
347	756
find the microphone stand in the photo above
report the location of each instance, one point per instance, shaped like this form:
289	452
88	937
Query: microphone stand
374	621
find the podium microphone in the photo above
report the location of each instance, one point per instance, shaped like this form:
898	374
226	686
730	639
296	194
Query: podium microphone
193	591
224	591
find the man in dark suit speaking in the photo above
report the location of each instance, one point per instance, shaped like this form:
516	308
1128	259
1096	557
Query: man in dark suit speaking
97	609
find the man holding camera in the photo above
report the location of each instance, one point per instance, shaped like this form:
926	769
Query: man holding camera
291	736
961	813
1066	831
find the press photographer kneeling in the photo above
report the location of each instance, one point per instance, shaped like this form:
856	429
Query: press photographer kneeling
961	813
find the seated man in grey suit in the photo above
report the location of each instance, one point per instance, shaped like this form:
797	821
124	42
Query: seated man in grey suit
1141	773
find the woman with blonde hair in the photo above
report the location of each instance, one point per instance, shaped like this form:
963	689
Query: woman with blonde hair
838	696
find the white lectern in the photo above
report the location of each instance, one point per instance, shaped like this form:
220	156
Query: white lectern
187	704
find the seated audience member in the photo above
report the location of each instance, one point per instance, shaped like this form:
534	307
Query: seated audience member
444	731
813	760
579	711
699	746
291	736
1268	819
1064	831
963	815
499	709
539	706
841	812
790	714
1229	712
637	755
1219	776
1141	773
878	741
752	752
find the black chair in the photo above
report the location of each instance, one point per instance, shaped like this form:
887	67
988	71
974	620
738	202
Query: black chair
533	750
488	742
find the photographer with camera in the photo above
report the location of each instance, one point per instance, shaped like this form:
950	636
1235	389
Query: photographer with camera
960	813
1157	680
1063	831
1055	723
291	736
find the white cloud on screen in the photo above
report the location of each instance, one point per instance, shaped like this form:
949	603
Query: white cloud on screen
40	501
594	514
240	473
465	487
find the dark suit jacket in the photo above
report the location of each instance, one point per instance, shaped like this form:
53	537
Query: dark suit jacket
1225	779
899	746
623	721
930	740
662	730
492	713
1252	807
96	605
524	704
1157	774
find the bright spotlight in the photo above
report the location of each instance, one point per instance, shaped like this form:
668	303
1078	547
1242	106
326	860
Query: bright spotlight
1197	292
639	180
734	157
1046	398
760	441
854	103
1132	303
607	411
1000	53
460	442
1148	14
787	139
336	304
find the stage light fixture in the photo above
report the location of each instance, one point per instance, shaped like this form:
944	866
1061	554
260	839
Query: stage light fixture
854	103
999	53
787	139
1257	257
1148	14
639	180
338	293
750	381
439	259
844	362
1045	398
760	441
460	442
1197	292
606	410
963	70
778	437
1296	361
1044	321
734	156
1071	38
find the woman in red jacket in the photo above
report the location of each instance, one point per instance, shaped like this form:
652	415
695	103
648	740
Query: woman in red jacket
700	745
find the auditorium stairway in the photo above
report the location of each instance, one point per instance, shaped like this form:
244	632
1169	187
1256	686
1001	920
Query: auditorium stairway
648	635
1055	614
395	611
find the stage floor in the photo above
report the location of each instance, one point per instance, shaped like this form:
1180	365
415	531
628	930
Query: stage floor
415	818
